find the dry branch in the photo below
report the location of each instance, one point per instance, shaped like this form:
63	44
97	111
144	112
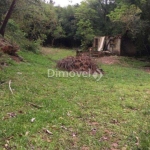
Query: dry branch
34	105
81	63
10	87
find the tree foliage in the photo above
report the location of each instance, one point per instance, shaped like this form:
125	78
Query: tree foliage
135	19
77	25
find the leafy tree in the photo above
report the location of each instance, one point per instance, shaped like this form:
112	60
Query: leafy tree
133	15
2	29
85	17
39	20
57	33
4	4
10	10
66	18
93	14
127	14
86	32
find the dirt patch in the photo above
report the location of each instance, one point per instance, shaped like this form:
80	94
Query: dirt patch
108	60
147	69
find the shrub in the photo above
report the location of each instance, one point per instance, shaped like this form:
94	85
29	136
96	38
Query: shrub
15	35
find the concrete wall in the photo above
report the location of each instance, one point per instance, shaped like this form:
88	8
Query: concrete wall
111	44
117	47
128	48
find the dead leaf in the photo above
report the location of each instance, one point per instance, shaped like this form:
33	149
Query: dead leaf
26	134
36	106
33	119
48	132
68	114
75	141
104	138
45	138
124	148
5	118
6	145
138	142
9	138
93	131
93	123
108	132
114	145
85	148
7	141
114	121
12	114
19	73
63	127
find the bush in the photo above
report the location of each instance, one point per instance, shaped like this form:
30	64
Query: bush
32	46
15	35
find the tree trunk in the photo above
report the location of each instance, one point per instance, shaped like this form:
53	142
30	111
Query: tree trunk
53	41
8	15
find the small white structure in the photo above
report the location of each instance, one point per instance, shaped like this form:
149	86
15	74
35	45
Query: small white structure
101	43
111	44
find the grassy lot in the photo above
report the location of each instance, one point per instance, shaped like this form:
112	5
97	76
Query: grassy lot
73	113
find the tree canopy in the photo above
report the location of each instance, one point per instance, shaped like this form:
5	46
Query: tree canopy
76	25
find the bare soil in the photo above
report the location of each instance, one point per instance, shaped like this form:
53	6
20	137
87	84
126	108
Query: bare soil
108	60
147	69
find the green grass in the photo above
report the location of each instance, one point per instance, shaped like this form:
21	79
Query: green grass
81	113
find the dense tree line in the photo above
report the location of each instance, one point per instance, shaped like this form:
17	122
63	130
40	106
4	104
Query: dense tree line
74	26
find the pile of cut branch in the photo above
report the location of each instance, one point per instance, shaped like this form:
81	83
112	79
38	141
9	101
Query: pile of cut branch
7	47
81	63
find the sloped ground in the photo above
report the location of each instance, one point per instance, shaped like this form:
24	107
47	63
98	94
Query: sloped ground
7	47
147	68
73	113
123	61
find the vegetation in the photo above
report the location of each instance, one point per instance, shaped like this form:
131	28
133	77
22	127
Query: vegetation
76	25
41	112
73	113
